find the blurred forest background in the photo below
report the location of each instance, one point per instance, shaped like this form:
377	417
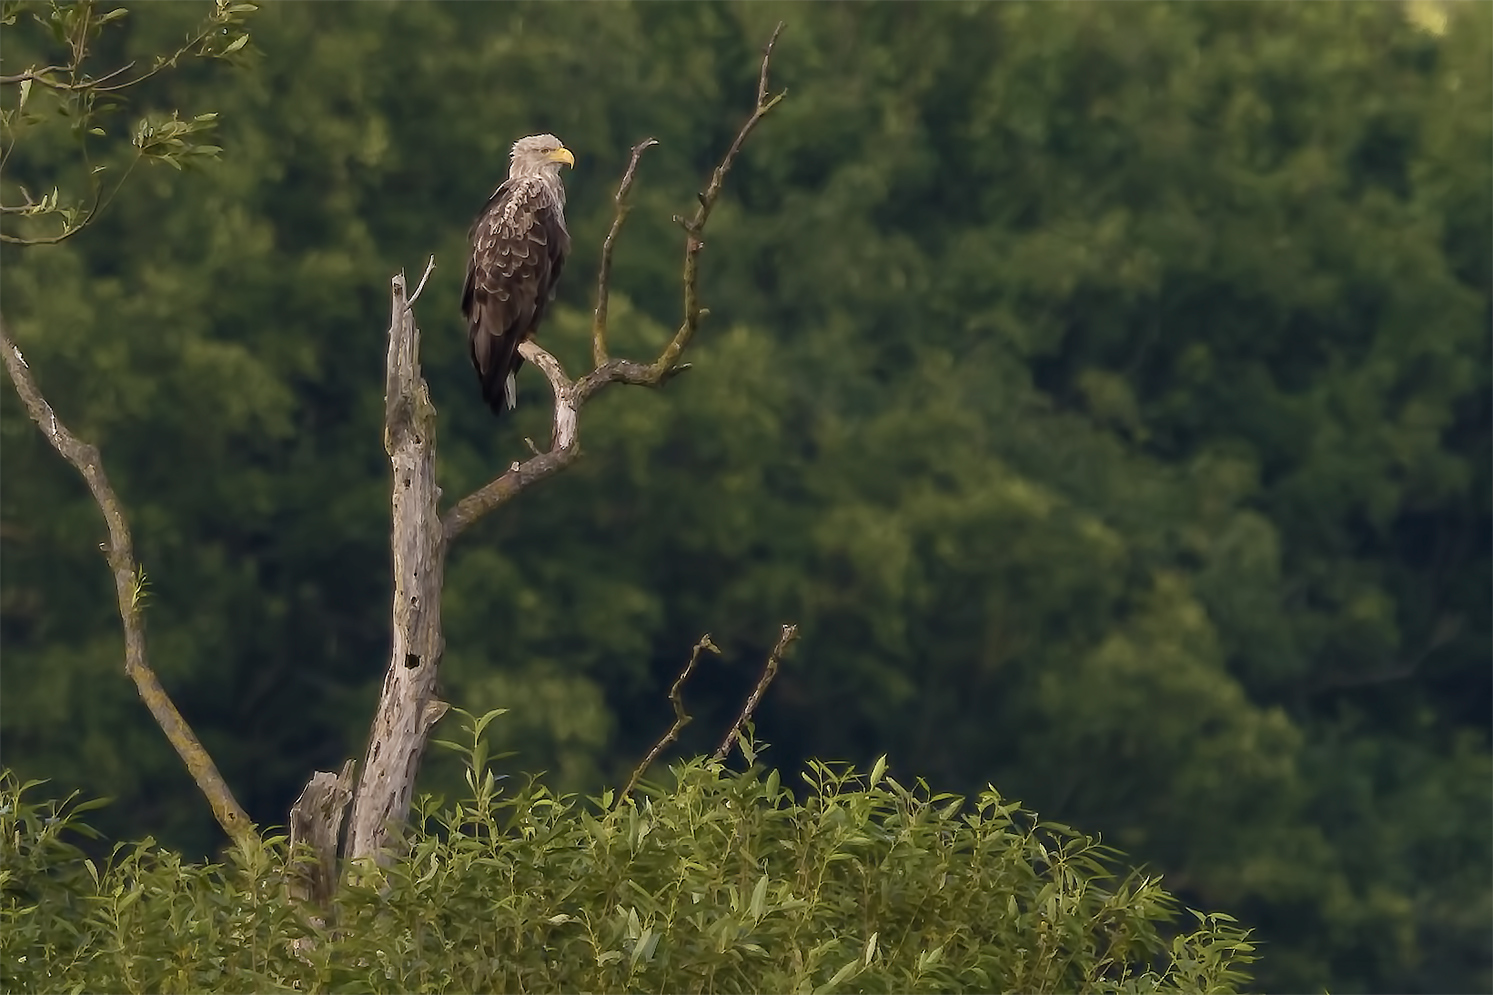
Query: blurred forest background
1103	388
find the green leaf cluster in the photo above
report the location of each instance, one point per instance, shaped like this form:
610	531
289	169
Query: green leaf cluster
63	79
717	882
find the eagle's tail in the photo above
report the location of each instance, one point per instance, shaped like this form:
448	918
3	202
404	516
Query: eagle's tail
500	387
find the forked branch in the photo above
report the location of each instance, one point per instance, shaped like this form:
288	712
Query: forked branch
129	584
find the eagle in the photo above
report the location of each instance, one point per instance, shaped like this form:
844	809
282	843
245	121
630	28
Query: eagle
519	245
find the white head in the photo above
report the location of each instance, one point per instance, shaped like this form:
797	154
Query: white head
539	155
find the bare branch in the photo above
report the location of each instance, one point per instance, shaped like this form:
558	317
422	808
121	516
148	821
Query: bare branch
681	717
128	584
604	276
562	452
695	227
37	76
564	433
789	634
429	265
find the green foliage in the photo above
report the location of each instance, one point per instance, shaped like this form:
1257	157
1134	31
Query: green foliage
63	98
717	882
1103	388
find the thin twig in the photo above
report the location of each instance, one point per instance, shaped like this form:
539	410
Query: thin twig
85	459
694	228
430	265
681	717
32	75
789	634
766	57
107	77
604	274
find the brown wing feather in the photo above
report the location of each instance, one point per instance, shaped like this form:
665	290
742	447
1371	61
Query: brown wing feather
519	245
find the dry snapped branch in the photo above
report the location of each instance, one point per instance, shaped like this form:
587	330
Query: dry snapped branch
315	827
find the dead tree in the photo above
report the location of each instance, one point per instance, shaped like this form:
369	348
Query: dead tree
420	537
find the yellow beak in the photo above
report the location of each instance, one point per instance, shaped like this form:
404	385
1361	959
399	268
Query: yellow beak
562	154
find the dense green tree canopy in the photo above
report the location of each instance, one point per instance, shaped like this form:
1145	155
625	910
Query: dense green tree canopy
1103	388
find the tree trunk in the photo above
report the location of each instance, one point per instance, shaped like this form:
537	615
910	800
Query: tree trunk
407	706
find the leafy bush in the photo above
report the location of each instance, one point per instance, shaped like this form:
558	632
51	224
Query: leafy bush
718	882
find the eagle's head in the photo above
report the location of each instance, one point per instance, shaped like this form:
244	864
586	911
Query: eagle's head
539	155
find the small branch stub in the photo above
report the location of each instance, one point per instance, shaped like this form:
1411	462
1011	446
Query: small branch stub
316	821
566	426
